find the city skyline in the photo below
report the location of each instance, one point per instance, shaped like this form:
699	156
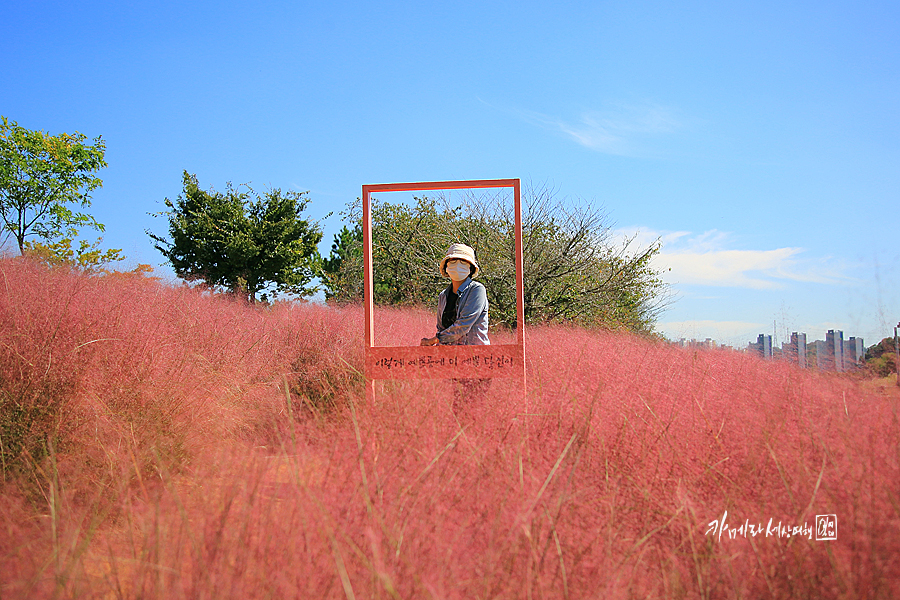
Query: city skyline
834	353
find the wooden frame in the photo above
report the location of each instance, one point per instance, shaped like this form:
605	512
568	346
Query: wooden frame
437	362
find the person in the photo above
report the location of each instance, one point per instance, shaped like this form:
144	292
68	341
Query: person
462	315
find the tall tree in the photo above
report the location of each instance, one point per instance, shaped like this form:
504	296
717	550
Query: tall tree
345	257
43	178
240	241
574	270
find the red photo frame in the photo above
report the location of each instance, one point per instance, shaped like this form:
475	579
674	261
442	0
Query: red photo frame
442	362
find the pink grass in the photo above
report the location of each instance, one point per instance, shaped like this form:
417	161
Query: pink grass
202	448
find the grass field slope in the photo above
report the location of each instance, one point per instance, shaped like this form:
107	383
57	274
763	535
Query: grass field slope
162	442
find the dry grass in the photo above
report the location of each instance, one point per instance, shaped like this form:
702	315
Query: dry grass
161	443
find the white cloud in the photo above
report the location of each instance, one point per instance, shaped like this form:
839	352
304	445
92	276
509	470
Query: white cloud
706	259
621	129
755	269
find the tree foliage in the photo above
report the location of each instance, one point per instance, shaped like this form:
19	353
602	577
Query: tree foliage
44	179
573	270
885	346
87	256
240	241
338	271
880	358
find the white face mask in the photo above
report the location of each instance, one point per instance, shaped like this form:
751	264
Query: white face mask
458	270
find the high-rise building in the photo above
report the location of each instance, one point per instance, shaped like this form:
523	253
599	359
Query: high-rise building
854	352
795	350
764	345
822	355
834	349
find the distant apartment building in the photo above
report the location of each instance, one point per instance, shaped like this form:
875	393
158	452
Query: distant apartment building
834	350
763	346
707	344
833	354
795	350
821	355
854	353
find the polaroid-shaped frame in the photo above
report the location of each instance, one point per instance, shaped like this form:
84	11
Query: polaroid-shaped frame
442	362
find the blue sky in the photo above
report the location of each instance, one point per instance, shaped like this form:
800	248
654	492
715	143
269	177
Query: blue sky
759	140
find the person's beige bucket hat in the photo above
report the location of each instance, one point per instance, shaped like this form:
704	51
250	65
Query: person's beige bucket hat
459	251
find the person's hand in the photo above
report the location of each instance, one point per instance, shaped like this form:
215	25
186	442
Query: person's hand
429	341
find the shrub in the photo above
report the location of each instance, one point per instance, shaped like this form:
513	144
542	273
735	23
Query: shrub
882	366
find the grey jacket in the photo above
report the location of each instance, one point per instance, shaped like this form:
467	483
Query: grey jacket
471	325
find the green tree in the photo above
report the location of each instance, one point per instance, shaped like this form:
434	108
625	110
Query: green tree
345	259
240	241
44	179
573	270
87	256
880	358
885	346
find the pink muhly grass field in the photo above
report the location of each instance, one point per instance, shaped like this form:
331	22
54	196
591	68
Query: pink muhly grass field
159	442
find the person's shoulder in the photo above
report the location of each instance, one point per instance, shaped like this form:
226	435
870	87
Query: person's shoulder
478	289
